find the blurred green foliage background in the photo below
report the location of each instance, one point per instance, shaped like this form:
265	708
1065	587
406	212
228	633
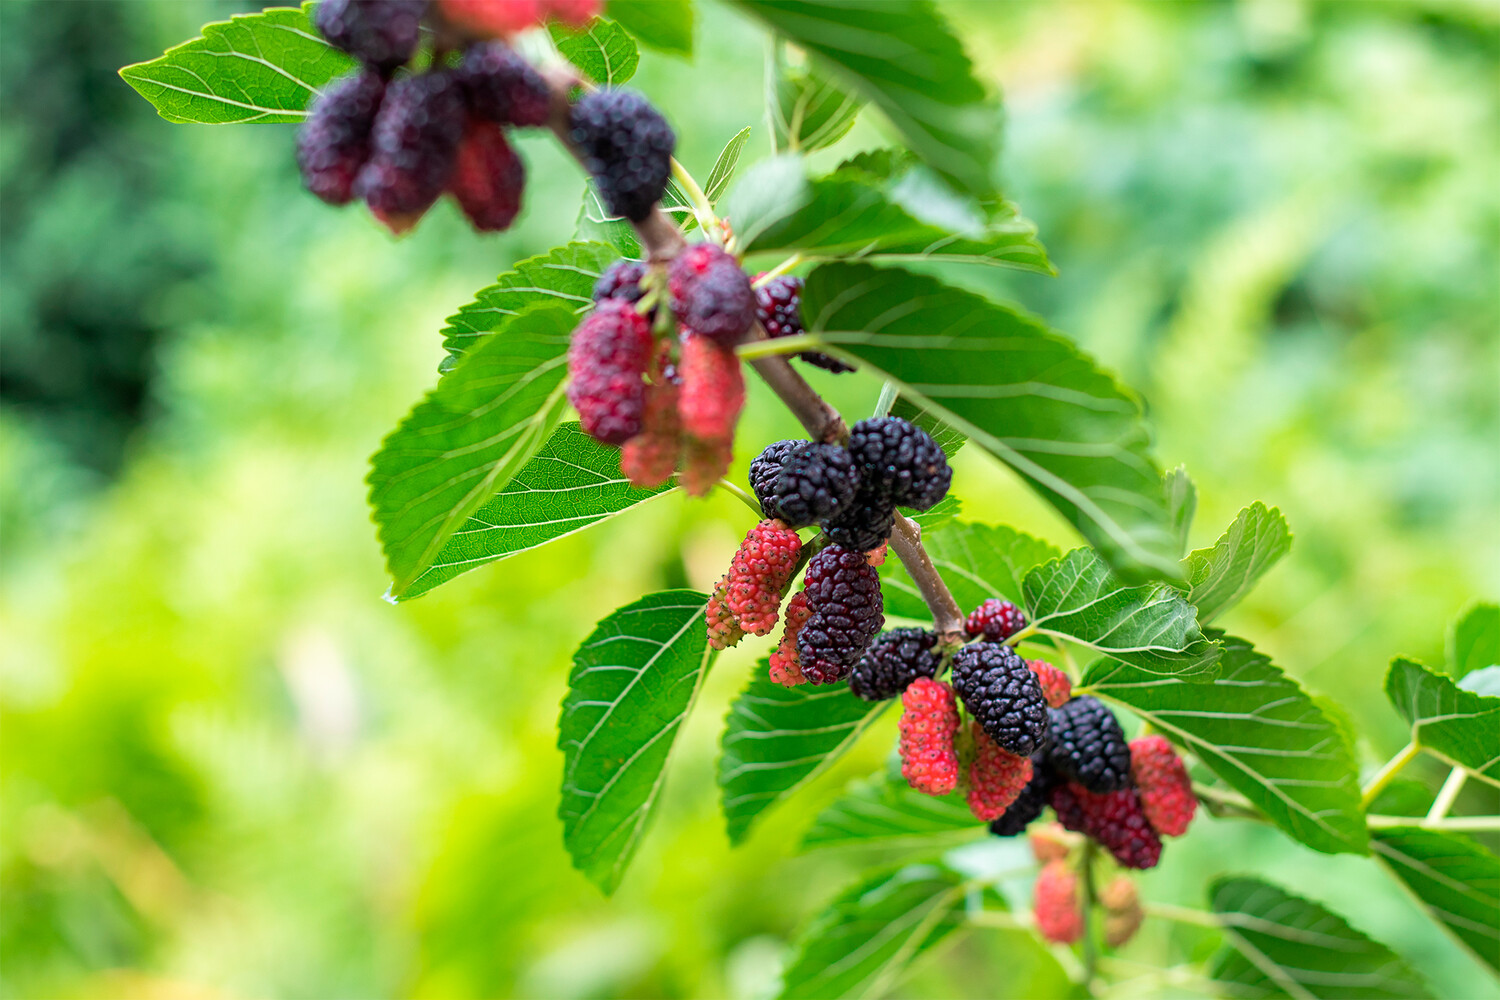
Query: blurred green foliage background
231	770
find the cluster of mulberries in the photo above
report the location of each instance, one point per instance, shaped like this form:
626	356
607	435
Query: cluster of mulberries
691	397
853	491
401	142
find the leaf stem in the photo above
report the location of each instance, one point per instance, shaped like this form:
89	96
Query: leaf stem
745	498
779	269
1181	914
1222	803
1392	767
776	346
1448	794
1090	898
702	209
1457	824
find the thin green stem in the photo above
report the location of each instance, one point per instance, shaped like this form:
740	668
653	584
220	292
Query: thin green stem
1090	898
702	208
778	270
1383	777
745	498
1181	914
1223	803
888	394
1457	824
752	349
1448	794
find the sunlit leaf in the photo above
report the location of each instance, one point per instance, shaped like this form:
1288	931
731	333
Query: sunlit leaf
1277	944
1474	639
662	24
869	935
724	166
1220	576
778	739
977	562
602	51
634	680
1456	879
1076	597
1261	733
467	438
883	808
1457	724
1182	503
902	57
1019	391
777	206
564	275
263	67
572	482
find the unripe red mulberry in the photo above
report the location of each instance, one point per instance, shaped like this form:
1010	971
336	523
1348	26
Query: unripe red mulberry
996	777
382	34
488	178
334	143
1057	689
1114	819
929	721
1122	911
1057	904
711	295
493	18
503	88
995	619
649	458
1049	843
713	389
723	630
786	669
413	148
760	571
1162	779
843	590
610	352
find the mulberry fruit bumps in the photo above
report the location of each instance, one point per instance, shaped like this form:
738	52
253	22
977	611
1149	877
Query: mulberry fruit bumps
1165	788
334	143
899	462
765	469
843	591
647	459
893	661
610	352
713	389
503	88
1057	689
621	280
382	34
627	147
778	306
1030	803
786	669
1002	693
723	630
759	573
413	149
1115	819
865	523
711	295
929	721
1057	904
996	777
488	178
995	620
814	482
1088	745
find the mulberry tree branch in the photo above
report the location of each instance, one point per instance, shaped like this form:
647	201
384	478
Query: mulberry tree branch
662	240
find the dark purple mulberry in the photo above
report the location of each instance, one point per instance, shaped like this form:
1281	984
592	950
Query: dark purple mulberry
764	471
999	689
1115	819
778	306
1030	803
995	619
864	523
382	34
334	143
502	87
711	295
414	148
621	280
1088	745
843	591
894	660
900	461
627	147
816	481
